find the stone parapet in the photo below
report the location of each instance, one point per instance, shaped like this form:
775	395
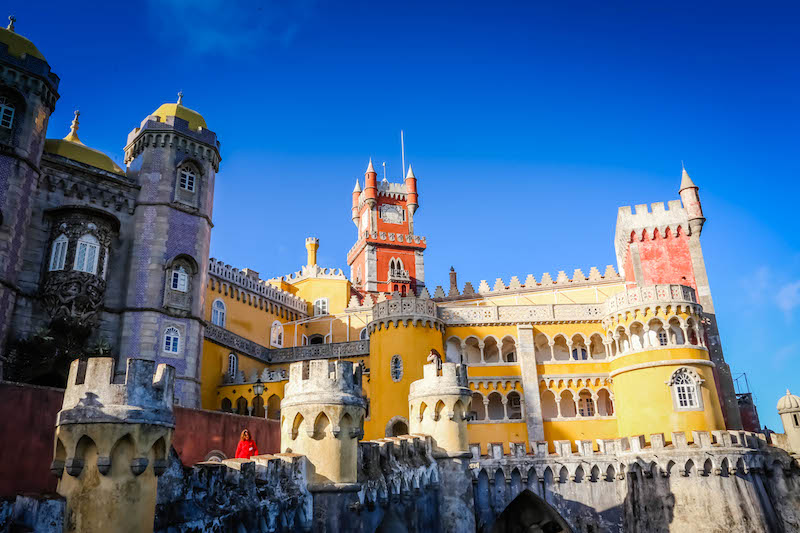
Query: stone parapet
521	314
255	285
646	296
409	309
323	382
452	381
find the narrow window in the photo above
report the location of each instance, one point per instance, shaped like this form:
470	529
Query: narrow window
218	313
662	337
187	178
320	306
58	255
276	334
105	263
172	340
233	365
796	420
86	254
180	280
6	113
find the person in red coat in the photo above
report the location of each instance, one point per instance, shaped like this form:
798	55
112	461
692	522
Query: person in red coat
247	446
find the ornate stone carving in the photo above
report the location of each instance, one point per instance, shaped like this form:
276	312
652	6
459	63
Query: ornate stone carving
75	297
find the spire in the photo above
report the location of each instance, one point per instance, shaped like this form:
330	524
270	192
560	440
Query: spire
180	98
73	129
370	168
11	20
410	172
357	188
686	181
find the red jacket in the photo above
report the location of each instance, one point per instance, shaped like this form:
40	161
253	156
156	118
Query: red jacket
246	449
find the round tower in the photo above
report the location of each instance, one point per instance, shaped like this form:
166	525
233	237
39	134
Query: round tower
111	444
437	406
690	196
789	409
28	94
402	333
312	245
356	197
322	416
662	374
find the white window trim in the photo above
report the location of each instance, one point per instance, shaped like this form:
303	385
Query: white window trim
217	314
7	112
696	380
87	262
276	334
321	307
173	333
233	365
190	185
179	280
58	253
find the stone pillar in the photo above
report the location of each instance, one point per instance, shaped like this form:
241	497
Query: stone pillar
530	382
323	410
437	405
113	439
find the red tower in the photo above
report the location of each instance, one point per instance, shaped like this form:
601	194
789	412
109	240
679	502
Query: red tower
387	256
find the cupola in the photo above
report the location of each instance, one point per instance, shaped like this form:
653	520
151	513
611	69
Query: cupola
72	148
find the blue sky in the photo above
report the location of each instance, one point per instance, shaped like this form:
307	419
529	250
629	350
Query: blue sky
527	125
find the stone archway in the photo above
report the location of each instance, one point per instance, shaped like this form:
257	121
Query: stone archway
397	425
529	513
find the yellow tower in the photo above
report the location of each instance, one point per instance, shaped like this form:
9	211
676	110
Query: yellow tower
112	440
402	333
663	378
312	245
322	416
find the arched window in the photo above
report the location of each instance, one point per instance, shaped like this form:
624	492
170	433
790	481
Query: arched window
276	335
514	406
6	113
363	335
585	403
58	255
172	340
86	254
320	306
233	365
218	313
187	178
686	394
180	280
477	406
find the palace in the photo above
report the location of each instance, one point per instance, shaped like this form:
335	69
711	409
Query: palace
588	402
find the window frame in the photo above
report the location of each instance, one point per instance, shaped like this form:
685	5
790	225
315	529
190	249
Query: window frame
58	261
6	107
233	365
685	383
321	307
174	334
180	276
187	178
90	243
276	334
220	314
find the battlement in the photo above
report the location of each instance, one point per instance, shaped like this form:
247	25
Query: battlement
91	396
323	381
312	240
452	381
546	282
410	309
648	296
243	280
313	271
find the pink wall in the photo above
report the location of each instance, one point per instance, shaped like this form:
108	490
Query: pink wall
27	428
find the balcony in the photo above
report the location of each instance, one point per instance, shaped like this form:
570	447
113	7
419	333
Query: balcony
399	276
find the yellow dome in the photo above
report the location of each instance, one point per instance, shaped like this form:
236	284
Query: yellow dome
71	147
17	44
194	118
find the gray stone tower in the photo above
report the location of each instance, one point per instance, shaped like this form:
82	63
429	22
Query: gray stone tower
174	159
28	94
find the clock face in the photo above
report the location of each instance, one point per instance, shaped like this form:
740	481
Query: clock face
392	214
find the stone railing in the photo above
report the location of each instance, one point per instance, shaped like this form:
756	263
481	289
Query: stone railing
237	343
260	287
266	376
320	351
678	294
399	275
511	314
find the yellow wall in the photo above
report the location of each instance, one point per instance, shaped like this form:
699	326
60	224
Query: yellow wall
389	399
484	434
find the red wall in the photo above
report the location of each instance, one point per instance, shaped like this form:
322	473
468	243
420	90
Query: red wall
27	428
664	259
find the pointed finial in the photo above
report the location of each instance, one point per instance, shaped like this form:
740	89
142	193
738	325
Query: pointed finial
686	181
357	188
180	97
11	20
788	393
410	172
73	129
370	168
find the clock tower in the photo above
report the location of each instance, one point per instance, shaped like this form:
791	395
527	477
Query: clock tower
387	256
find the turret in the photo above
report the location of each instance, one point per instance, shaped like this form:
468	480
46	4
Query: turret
312	245
371	185
356	195
322	415
111	444
437	406
174	158
789	410
691	202
411	191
